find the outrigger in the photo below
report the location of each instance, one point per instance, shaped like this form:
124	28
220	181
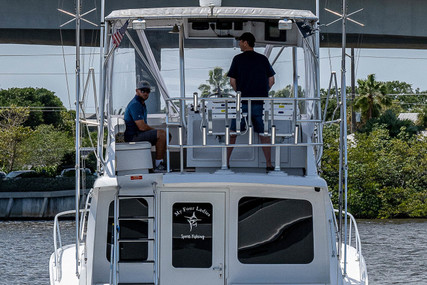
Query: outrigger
202	222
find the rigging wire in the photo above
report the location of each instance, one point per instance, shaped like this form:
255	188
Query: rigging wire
67	85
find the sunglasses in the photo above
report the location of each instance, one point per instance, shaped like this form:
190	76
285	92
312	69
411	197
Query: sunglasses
145	90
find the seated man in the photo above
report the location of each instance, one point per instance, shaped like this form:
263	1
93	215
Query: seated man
137	128
252	74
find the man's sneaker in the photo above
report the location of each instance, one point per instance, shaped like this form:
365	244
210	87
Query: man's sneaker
269	168
161	168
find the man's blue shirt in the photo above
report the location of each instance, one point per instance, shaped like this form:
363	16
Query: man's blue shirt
135	111
251	71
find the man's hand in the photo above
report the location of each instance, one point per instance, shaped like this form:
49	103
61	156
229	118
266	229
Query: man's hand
271	82
233	83
142	126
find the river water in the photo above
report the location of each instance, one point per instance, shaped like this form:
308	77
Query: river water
395	250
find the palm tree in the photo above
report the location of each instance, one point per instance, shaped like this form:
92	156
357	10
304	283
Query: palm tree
371	99
218	84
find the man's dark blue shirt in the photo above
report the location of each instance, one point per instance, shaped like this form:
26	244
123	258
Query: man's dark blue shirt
251	71
136	110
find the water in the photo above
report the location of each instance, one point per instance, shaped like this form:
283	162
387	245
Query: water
395	251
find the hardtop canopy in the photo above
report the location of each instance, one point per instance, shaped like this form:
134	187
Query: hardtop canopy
178	13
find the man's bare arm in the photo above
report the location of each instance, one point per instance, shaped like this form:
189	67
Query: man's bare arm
142	126
233	83
271	82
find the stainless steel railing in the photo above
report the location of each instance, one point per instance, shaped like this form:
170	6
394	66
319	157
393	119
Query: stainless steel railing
353	240
229	108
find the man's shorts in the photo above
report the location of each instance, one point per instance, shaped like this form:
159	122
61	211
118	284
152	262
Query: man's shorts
256	117
149	136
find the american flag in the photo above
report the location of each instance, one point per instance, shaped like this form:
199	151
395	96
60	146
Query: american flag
118	35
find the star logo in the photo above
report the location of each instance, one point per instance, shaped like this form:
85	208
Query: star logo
192	221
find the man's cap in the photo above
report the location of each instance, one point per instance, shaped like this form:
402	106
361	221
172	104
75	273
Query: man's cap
249	37
143	85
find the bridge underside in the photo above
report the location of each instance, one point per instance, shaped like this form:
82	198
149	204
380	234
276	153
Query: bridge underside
388	23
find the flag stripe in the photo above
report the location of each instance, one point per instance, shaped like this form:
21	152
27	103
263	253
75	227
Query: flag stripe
118	35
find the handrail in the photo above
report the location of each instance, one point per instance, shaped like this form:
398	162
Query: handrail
348	242
57	236
83	218
276	109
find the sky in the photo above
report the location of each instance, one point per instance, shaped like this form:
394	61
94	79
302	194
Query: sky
53	68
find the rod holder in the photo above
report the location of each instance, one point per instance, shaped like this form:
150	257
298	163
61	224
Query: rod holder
238	98
180	141
195	102
210	122
251	134
296	134
273	134
227	135
204	135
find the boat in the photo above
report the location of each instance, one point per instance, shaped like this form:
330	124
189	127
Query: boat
203	222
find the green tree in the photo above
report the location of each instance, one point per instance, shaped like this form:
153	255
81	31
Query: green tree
387	176
38	99
218	84
371	99
47	146
391	122
12	134
286	92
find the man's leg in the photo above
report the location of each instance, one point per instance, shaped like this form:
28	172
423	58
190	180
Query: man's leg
160	144
266	150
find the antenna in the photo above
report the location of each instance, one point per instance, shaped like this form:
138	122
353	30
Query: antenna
75	17
343	165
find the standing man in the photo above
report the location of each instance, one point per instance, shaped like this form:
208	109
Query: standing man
137	128
252	74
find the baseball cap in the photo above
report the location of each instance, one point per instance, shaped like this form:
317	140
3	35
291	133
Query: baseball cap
249	37
143	84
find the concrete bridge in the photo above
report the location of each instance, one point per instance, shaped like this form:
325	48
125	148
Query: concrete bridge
388	23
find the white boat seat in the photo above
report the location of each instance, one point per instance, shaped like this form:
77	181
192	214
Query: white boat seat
133	157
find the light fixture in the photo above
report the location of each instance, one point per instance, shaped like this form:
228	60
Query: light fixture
285	24
139	24
174	30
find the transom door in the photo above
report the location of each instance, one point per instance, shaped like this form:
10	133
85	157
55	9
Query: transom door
192	238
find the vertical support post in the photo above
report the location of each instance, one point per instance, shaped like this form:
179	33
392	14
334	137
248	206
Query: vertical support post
168	165
102	94
182	72
101	83
77	142
295	71
353	92
238	111
181	149
343	133
251	129
295	85
277	159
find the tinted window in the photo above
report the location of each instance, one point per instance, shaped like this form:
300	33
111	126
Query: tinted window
275	231
192	235
133	225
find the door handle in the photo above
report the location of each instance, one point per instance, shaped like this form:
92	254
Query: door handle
218	268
